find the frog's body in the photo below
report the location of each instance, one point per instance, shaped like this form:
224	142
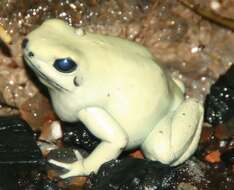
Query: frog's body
110	93
118	91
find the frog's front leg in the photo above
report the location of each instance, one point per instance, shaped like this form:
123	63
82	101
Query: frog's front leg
113	141
176	136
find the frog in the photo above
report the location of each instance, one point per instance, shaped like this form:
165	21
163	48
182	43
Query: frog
119	90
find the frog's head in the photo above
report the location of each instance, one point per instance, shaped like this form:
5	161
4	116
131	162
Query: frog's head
48	50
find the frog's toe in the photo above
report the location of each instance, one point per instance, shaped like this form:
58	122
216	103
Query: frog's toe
71	173
74	169
60	164
67	165
78	155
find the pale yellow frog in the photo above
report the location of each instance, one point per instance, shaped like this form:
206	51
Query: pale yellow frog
117	89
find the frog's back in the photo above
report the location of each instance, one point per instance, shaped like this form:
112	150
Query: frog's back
120	44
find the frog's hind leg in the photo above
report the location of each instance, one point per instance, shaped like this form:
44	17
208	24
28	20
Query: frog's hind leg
176	136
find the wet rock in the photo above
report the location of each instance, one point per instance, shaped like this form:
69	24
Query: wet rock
21	163
228	156
17	143
139	174
219	104
76	134
213	157
134	174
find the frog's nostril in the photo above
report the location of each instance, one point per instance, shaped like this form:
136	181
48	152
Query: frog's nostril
30	54
24	43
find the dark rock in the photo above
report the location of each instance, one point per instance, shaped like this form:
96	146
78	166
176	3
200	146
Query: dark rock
76	134
139	174
134	174
17	143
8	179
228	156
219	103
19	153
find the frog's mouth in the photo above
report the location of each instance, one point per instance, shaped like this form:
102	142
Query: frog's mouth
43	76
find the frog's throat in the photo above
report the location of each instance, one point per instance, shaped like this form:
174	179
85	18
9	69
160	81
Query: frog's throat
41	75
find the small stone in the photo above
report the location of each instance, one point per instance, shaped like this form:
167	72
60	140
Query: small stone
137	154
215	5
51	131
213	157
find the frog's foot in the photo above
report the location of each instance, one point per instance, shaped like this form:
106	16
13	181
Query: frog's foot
175	138
74	169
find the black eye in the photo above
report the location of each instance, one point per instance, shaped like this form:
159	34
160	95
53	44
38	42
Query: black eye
65	65
30	54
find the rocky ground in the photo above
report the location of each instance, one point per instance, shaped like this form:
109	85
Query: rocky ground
193	48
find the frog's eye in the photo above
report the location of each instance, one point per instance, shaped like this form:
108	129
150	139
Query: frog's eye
65	65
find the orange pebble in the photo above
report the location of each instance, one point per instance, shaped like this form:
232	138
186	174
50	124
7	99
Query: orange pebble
137	154
213	157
